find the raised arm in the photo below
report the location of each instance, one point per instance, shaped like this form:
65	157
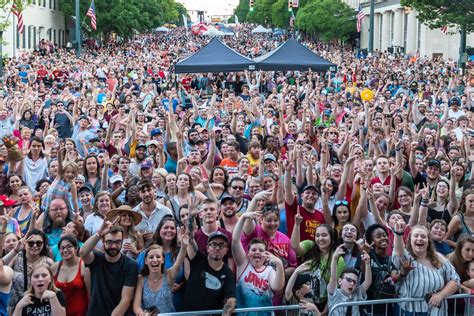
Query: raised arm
192	247
332	285
289	196
295	236
238	251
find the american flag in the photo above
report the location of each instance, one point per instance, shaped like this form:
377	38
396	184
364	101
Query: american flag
91	14
360	18
444	29
19	15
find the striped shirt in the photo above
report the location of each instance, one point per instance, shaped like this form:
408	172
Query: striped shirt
423	281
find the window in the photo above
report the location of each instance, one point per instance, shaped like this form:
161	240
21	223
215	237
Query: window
50	31
17	38
34	37
29	36
54	37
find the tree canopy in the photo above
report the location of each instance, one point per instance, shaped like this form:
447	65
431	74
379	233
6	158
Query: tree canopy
125	17
328	19
438	13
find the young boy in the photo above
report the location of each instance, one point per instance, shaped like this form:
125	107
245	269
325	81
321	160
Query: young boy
438	229
298	291
349	290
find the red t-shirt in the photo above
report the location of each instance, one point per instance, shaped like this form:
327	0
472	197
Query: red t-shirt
386	184
310	220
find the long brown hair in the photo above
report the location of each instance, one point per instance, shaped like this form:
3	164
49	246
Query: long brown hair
456	256
462	205
431	253
95	208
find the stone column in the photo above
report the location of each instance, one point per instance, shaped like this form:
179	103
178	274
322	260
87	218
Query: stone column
398	28
411	32
377	21
385	30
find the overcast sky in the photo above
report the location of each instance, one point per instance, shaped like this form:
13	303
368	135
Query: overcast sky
213	7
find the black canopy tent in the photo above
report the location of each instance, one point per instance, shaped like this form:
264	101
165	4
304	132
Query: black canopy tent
214	57
292	55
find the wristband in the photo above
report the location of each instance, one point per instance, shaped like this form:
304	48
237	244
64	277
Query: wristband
397	233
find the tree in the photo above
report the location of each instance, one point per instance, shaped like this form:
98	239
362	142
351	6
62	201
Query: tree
242	10
280	14
5	11
438	13
329	19
262	13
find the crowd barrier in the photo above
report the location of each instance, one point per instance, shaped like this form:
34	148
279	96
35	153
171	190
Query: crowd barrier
453	302
282	310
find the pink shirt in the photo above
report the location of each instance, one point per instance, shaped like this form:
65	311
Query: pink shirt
280	245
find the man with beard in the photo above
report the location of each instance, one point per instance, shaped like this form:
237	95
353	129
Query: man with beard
211	283
195	158
54	219
151	211
113	276
140	155
229	213
193	136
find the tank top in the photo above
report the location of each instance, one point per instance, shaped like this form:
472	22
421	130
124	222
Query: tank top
253	289
24	223
4	297
75	292
162	299
464	228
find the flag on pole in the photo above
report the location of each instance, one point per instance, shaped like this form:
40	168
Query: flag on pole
292	19
16	11
360	18
236	19
444	29
91	14
185	20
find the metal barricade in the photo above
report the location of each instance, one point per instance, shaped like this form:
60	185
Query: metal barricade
281	310
369	305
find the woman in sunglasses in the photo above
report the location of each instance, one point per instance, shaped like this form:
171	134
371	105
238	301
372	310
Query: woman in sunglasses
72	277
35	252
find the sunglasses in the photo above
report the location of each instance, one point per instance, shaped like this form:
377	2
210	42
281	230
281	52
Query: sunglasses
219	245
237	188
35	243
342	202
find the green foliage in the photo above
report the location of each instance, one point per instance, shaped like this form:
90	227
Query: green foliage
329	19
262	14
126	17
438	13
242	10
5	9
280	14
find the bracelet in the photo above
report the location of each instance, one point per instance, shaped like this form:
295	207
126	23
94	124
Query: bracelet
397	233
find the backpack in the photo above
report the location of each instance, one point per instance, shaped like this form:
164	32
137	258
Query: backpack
382	284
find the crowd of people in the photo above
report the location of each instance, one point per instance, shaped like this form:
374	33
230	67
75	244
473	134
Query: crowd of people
129	190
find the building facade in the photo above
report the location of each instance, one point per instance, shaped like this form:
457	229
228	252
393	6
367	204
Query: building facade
398	29
42	20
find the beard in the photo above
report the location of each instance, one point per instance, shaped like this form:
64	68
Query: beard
112	252
59	223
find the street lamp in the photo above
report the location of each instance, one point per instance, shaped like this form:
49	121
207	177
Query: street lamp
78	30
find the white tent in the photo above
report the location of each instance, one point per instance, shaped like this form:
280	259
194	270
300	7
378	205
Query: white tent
162	29
213	32
260	29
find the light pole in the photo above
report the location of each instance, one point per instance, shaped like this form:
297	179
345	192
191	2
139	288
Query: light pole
371	27
78	30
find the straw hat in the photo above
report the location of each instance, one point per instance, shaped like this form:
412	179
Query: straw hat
111	215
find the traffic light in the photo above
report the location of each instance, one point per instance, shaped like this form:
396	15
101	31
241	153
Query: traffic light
290	5
251	5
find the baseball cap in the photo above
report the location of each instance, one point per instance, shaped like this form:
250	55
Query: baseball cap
227	197
152	142
218	234
155	131
7	202
85	188
311	187
80	177
146	164
116	178
93	151
140	146
434	162
269	157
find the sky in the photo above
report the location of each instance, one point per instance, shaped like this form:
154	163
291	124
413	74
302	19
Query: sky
213	7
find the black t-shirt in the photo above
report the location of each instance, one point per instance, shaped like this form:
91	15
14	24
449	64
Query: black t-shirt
42	308
206	288
63	125
107	281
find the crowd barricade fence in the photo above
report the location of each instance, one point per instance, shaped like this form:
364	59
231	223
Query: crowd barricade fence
281	310
453	302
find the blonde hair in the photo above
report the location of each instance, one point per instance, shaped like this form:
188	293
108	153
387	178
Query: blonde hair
67	164
51	285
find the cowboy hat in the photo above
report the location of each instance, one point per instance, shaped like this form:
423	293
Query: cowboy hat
111	215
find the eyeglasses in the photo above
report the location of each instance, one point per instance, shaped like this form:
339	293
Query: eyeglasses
218	245
351	281
38	244
237	188
333	133
342	202
113	242
67	247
